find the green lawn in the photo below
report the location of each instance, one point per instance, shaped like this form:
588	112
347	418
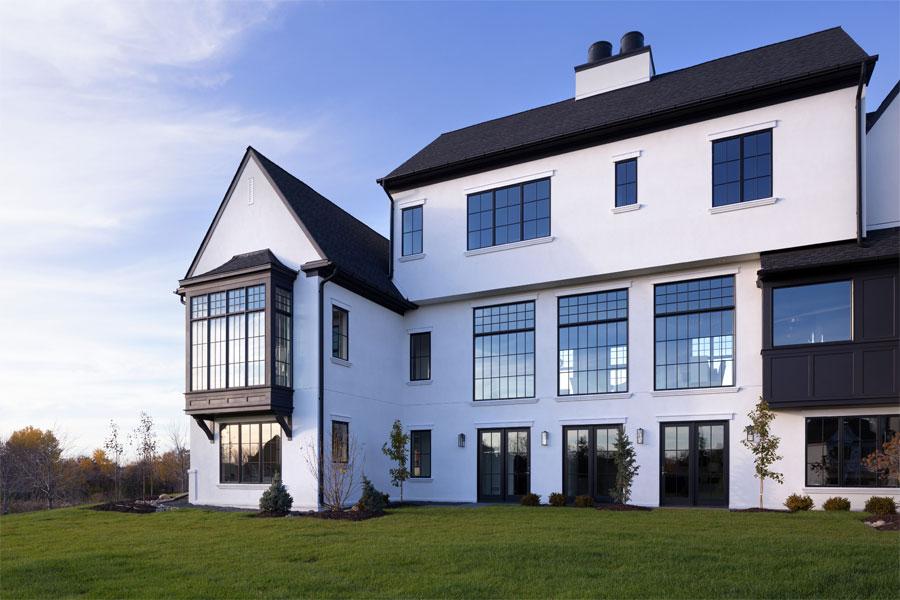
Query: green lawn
489	552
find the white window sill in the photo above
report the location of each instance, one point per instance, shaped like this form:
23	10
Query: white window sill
422	382
696	391
504	402
341	362
869	491
243	486
511	246
742	205
624	209
419	480
589	397
696	417
411	257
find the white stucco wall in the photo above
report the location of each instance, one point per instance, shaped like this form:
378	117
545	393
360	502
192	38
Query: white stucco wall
883	170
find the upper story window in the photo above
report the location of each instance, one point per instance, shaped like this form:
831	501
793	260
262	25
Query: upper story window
812	314
340	333
509	214
626	182
742	168
504	351
228	339
695	333
420	456
593	343
420	356
283	307
412	230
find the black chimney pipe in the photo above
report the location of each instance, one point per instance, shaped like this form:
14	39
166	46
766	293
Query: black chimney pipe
599	50
631	41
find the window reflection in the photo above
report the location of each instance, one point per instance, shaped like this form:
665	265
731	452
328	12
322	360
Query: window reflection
249	452
811	314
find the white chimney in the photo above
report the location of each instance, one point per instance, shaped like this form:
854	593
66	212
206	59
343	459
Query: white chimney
604	72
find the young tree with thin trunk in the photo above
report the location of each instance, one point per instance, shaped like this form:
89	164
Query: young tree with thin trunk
115	450
179	446
143	439
397	449
763	445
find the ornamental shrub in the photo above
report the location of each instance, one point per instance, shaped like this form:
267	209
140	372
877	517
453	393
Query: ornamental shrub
881	505
531	500
276	499
584	501
837	503
557	499
371	499
797	502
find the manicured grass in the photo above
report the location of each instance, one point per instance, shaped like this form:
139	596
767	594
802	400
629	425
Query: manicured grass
462	552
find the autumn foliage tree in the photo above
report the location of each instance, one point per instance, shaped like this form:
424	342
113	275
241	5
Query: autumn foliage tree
886	462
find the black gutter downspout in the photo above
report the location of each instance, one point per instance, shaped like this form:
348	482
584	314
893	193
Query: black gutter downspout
321	450
391	257
859	150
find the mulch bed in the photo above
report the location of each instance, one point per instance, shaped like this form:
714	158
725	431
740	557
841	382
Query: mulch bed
125	506
889	522
621	507
757	509
343	515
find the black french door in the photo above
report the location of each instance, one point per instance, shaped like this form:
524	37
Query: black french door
504	464
694	464
588	465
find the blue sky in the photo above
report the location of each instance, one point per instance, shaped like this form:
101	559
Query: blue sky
121	126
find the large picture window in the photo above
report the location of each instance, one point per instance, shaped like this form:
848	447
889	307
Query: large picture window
420	455
249	452
509	214
852	451
593	343
412	230
812	314
694	333
504	351
742	168
228	339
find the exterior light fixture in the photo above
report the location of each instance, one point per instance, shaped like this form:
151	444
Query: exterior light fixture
639	435
545	438
750	435
461	440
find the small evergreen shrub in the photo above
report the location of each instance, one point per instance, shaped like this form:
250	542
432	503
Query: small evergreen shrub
837	503
797	502
881	505
557	499
531	500
584	501
371	499
276	499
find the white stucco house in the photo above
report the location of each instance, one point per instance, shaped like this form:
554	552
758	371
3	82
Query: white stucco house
654	254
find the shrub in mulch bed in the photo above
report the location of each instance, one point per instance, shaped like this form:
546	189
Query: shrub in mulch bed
125	506
622	507
884	522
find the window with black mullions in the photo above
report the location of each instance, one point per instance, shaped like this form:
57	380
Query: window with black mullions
420	456
852	451
340	333
340	442
626	182
504	351
420	356
412	230
742	168
508	214
593	343
249	452
694	333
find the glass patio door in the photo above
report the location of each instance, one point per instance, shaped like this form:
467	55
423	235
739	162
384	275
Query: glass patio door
694	464
588	465
504	469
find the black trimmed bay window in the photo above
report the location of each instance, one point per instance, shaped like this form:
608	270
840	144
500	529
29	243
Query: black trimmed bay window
504	351
815	313
852	451
249	452
742	168
694	333
593	343
509	214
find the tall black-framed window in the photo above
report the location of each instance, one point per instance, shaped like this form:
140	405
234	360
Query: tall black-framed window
420	356
509	214
340	333
249	452
411	219
340	442
742	168
593	343
228	339
852	451
504	351
694	333
283	308
626	182
812	314
420	453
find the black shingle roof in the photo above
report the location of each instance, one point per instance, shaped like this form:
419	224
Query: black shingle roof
872	117
881	244
790	60
248	260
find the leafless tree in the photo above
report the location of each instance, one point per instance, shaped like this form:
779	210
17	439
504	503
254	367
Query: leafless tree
143	440
339	479
115	450
178	439
9	481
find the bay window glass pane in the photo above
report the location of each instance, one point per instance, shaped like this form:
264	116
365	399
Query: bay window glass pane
236	300
812	314
217	343
237	355
282	349
256	348
199	355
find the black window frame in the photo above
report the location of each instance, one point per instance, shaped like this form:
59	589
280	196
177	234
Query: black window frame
340	443
419	359
340	330
522	220
416	437
852	310
625	184
262	479
592	456
476	334
741	180
411	212
880	429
